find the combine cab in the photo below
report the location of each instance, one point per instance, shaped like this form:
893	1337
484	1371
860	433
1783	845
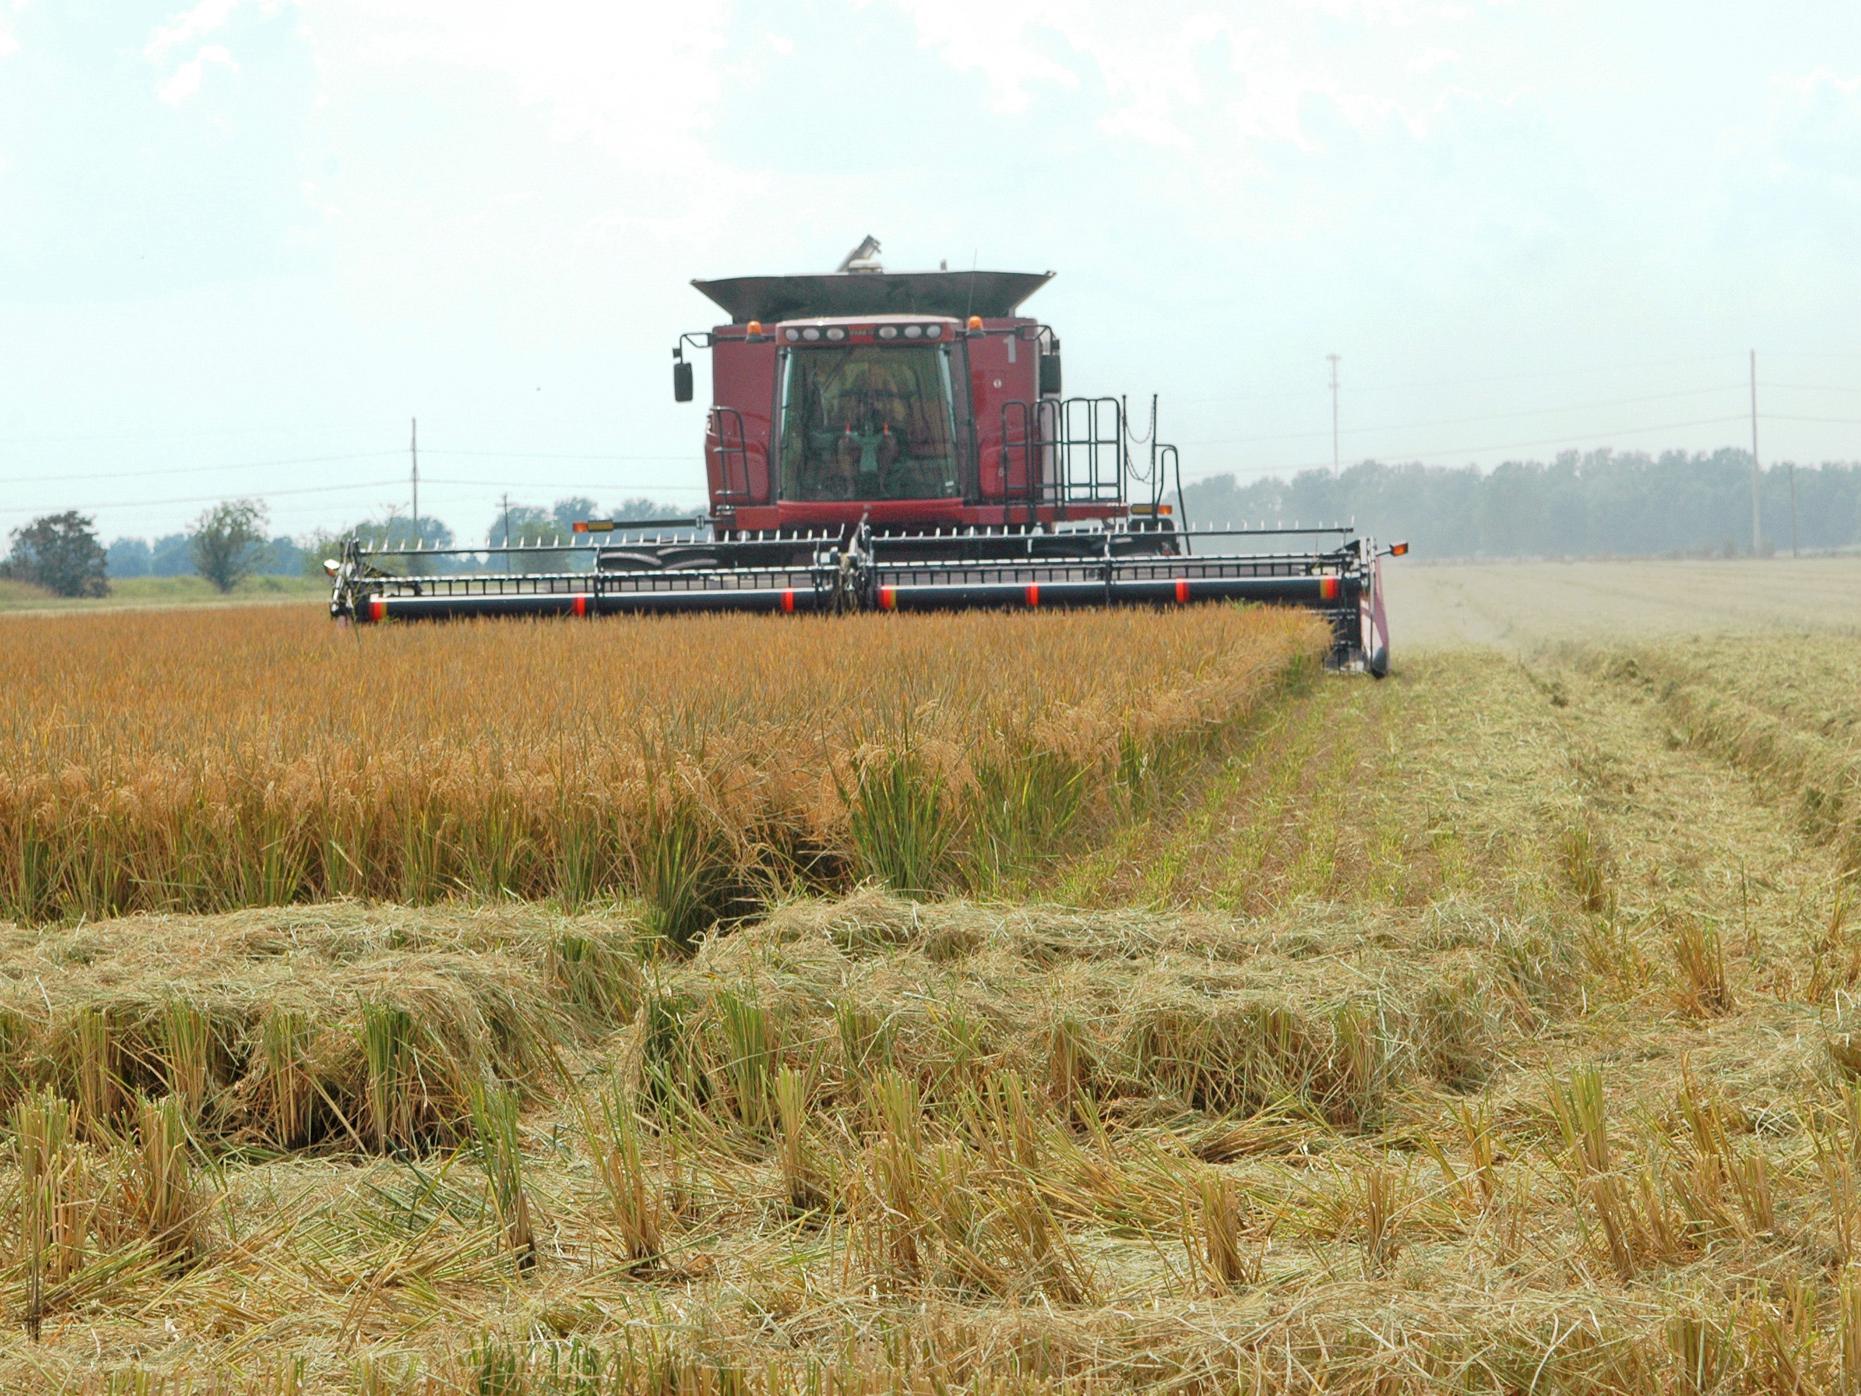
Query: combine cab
895	441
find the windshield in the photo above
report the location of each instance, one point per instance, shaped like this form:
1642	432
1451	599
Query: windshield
867	422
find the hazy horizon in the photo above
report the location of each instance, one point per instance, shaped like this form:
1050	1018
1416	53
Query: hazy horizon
247	240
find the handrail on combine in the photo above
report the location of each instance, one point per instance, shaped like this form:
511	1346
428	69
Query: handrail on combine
1070	450
727	494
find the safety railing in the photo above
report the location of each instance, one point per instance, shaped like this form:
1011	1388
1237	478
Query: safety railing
1069	451
732	453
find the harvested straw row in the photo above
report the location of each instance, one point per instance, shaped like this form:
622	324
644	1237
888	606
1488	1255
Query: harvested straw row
354	1030
372	1030
1765	1343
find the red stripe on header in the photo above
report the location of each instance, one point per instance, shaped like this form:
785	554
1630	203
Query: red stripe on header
1328	588
888	598
1182	588
1033	593
377	608
581	605
788	602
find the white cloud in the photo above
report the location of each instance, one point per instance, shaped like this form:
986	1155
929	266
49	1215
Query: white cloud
9	41
183	84
1819	80
578	126
1011	47
1811	138
1213	77
188	27
637	78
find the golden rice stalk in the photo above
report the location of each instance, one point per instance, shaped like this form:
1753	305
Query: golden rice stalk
802	1180
1215	1234
636	1201
54	1218
158	1190
958	747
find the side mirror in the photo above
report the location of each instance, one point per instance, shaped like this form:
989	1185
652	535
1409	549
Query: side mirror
681	381
1050	375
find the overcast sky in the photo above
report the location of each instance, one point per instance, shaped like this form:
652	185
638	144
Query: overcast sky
242	242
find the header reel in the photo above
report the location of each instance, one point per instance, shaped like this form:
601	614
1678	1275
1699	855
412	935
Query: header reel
1333	571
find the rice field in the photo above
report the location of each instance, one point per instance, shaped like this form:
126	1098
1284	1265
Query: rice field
1488	1029
209	761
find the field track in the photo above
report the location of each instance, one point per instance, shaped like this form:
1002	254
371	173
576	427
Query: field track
1490	1028
1514	604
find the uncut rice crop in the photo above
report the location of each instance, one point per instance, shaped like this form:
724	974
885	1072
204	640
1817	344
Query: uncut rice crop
208	761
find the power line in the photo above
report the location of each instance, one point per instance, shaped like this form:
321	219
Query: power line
316	460
1566	440
1334	412
1757	541
1466	421
206	498
1572	371
1534	374
193	434
413	449
1406	457
194	469
550	455
608	487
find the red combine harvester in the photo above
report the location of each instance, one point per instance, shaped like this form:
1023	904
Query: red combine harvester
895	441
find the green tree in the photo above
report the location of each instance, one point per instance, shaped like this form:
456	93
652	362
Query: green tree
284	556
521	524
1594	503
571	511
227	542
60	552
169	556
393	531
640	508
524	526
128	557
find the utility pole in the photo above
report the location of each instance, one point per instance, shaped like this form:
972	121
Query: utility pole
413	450
1791	467
1334	414
1757	537
507	532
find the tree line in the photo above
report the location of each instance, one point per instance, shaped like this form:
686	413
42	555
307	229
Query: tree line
60	552
1588	504
1591	504
229	543
521	525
